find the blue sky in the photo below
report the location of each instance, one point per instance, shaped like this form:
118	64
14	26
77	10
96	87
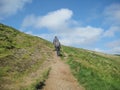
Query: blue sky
88	24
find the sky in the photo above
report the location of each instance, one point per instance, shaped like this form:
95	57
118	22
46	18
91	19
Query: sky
88	24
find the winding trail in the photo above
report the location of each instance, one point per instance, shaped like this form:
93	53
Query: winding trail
60	77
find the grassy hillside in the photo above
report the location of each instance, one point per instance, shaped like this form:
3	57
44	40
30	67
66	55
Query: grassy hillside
95	71
25	60
20	56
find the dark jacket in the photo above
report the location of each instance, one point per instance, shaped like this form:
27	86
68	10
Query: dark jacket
56	42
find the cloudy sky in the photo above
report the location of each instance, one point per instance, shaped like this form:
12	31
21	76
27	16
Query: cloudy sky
88	24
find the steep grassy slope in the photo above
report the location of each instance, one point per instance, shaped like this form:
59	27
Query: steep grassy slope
95	71
20	56
24	62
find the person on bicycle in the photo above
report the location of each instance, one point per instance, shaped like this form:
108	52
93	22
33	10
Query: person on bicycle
57	45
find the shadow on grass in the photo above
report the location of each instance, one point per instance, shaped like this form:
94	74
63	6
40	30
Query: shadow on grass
40	85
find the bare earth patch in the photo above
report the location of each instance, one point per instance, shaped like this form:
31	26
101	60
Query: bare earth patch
60	77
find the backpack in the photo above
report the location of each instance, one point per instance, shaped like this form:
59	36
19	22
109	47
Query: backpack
57	44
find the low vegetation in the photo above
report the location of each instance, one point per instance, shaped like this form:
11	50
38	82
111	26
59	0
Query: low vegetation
93	70
39	83
23	57
20	56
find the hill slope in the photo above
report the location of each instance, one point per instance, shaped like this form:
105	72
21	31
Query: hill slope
20	56
25	61
95	71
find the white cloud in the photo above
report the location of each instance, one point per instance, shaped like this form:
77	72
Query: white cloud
29	20
114	46
82	35
115	43
56	19
99	50
112	14
10	7
76	36
59	22
29	32
112	31
53	20
112	20
116	50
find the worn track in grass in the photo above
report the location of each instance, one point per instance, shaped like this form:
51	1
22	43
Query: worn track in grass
60	77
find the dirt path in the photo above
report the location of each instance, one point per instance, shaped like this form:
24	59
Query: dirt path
60	77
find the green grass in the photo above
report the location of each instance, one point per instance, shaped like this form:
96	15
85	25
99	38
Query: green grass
39	83
20	55
94	71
